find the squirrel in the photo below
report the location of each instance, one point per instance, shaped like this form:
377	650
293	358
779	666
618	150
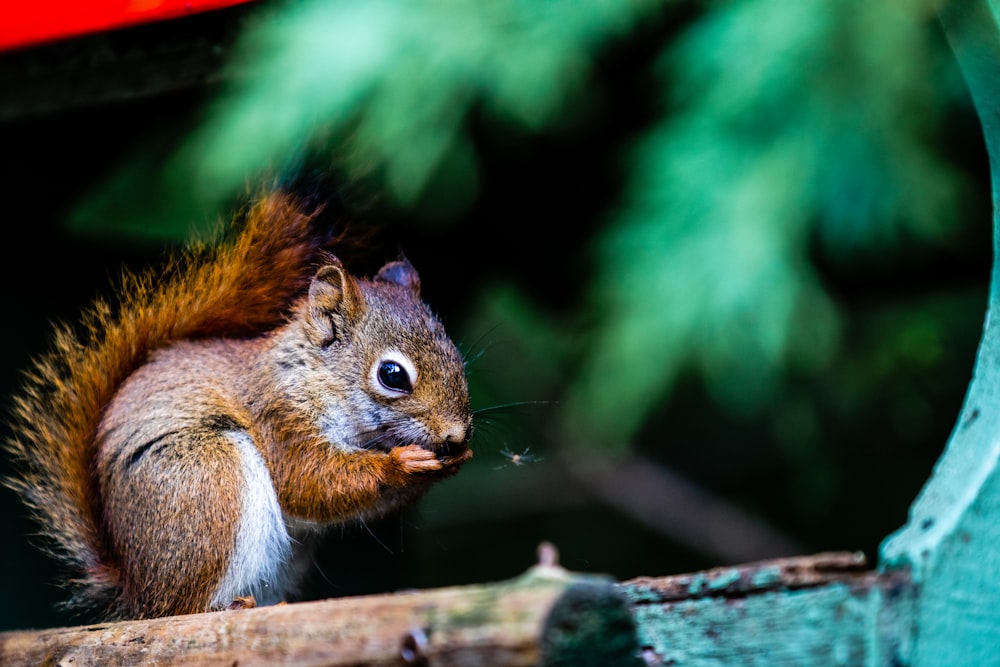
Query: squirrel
182	449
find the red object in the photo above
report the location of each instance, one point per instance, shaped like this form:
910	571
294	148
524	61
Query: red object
25	22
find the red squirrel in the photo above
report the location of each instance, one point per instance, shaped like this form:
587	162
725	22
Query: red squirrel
181	450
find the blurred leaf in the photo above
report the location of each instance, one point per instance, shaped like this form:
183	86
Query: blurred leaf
790	120
387	83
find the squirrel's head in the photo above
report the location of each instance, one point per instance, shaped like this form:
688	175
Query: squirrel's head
389	359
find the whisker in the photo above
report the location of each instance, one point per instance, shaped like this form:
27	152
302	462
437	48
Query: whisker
375	537
378	438
504	406
478	355
395	431
322	574
372	439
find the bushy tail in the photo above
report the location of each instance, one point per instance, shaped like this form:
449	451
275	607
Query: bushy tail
237	287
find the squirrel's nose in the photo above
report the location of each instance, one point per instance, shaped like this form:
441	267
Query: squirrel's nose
455	433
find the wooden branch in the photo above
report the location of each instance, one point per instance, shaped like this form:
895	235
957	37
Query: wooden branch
754	579
797	611
811	611
546	616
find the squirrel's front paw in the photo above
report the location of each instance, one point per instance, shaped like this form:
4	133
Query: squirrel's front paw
456	460
451	464
416	459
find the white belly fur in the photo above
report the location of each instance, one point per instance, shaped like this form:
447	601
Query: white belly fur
260	564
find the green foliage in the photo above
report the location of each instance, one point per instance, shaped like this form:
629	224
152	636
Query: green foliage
393	80
787	122
781	127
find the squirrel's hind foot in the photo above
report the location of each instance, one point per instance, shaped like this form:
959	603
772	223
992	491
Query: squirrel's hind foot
242	602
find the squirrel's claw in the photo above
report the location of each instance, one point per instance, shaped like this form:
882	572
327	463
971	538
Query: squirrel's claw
449	461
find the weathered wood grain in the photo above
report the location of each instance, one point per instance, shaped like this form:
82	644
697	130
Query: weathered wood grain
545	616
822	610
810	610
951	543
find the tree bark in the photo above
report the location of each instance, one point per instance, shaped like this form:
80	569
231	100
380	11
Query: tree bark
547	616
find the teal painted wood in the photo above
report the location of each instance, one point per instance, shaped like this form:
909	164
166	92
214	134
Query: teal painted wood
837	625
951	543
825	610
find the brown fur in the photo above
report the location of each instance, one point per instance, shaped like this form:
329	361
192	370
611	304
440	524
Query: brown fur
144	507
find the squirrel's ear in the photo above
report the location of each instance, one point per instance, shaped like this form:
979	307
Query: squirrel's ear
400	272
334	301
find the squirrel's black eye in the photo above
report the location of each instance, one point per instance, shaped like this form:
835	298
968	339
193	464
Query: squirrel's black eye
393	376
